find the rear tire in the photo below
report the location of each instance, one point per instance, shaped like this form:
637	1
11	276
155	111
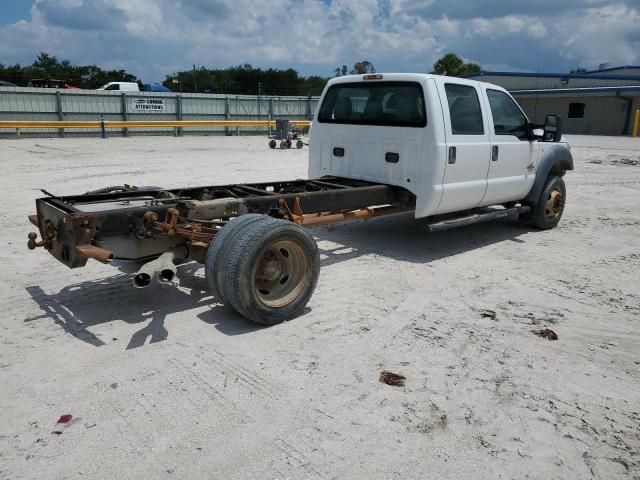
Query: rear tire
272	144
218	250
550	206
299	144
272	271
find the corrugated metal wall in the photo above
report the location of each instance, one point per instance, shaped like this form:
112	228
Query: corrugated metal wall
603	115
79	105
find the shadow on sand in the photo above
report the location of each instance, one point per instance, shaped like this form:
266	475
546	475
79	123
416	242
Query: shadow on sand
78	307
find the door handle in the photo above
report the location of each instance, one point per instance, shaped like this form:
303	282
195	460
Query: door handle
494	153
452	155
392	157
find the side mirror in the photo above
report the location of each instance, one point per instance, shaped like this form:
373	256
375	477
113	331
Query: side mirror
552	128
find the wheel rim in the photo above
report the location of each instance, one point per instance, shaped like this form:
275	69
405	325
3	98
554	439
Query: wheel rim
554	204
281	274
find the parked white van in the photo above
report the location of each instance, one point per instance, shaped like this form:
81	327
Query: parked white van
122	86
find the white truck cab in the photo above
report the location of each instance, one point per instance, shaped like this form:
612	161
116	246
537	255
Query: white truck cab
456	144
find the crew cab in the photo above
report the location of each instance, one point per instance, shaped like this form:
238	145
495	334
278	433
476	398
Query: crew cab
452	151
456	144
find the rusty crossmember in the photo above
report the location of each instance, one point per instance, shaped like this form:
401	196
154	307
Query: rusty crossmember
195	232
296	215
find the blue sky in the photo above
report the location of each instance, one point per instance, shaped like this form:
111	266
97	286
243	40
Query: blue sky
151	38
14	10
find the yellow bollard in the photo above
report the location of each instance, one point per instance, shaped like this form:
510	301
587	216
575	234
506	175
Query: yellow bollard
636	120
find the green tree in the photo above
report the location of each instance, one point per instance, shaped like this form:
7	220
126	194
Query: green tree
50	67
341	71
246	80
313	85
362	67
14	74
453	66
359	68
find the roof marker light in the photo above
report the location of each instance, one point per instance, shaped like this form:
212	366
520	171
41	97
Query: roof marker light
373	77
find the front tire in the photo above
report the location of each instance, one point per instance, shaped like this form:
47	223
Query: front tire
550	206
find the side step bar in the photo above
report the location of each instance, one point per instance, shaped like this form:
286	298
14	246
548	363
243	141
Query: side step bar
481	217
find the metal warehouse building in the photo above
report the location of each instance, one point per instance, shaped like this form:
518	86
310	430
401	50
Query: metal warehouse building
599	102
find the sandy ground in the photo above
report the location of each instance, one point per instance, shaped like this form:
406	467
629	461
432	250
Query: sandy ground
165	383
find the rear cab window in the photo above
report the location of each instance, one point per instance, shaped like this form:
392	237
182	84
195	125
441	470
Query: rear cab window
393	104
464	110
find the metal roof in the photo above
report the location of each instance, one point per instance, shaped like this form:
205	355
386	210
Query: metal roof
609	69
557	75
560	91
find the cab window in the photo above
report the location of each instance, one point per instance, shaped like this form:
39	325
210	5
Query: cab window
508	119
464	109
115	86
393	104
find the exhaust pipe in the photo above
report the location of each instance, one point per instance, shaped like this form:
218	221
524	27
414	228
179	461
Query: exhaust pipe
144	276
166	268
161	268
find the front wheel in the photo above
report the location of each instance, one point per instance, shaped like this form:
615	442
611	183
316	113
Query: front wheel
550	206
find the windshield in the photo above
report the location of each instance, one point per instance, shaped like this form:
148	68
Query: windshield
394	104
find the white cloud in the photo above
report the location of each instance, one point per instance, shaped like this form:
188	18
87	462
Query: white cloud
609	34
154	37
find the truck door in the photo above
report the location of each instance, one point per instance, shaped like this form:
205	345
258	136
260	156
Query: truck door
468	146
513	156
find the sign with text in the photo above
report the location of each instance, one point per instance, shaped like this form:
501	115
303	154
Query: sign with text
148	105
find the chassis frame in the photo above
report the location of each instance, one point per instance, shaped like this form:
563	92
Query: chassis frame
130	223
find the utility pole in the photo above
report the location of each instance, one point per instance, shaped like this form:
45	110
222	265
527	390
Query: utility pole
195	82
258	100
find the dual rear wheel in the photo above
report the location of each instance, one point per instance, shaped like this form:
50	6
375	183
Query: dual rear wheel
264	268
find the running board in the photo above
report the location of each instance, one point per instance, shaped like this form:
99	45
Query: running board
489	216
